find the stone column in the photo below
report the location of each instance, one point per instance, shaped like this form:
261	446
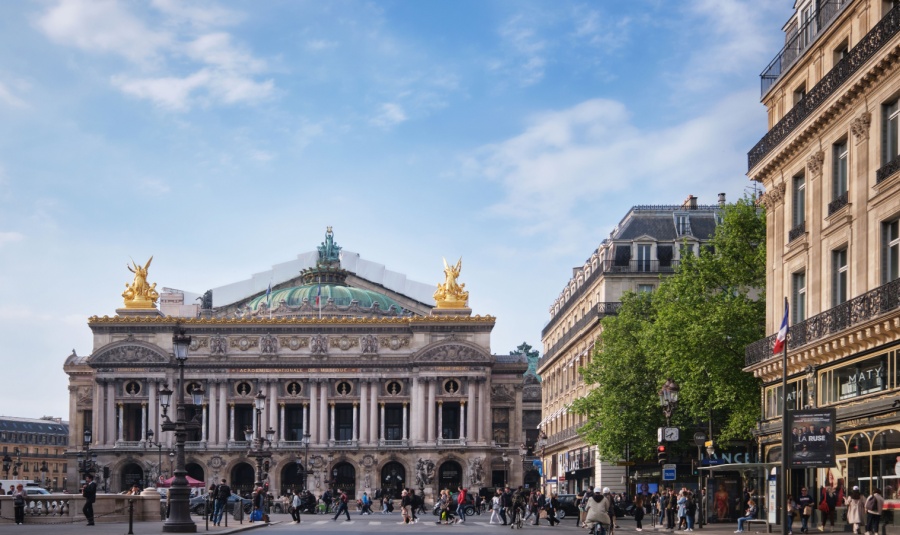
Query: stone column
143	422
355	422
152	406
253	426
73	415
120	430
281	422
213	431
304	419
96	410
313	412
381	434
331	422
111	435
374	388
440	420
429	437
272	405
470	432
231	423
462	418
405	420
204	438
223	412
414	410
516	423
363	412
485	412
324	387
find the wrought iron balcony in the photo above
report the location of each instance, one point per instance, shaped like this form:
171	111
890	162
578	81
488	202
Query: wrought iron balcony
799	41
796	232
856	58
887	170
600	310
858	310
838	203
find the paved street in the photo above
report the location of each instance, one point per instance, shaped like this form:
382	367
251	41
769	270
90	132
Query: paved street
359	524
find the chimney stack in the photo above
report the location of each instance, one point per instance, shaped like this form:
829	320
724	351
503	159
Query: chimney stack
690	203
721	200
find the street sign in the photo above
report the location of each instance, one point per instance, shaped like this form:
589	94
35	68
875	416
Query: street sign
668	472
562	477
625	463
699	438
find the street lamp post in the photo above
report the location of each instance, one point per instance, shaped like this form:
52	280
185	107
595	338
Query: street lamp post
44	471
260	445
505	458
303	471
87	461
523	451
171	463
17	463
179	520
158	444
668	399
7	464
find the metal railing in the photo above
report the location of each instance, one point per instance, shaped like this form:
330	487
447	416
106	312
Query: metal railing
887	170
860	309
600	310
797	231
838	203
800	39
855	59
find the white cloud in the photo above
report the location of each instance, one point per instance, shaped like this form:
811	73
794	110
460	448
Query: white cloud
7	237
390	114
8	98
154	186
320	44
591	152
101	26
218	71
528	51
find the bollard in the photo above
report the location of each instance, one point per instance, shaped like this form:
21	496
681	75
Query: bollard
130	516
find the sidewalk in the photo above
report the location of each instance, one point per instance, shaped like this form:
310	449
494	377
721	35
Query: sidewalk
726	528
119	528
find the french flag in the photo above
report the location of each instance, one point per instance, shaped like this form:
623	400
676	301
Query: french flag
781	339
318	294
268	293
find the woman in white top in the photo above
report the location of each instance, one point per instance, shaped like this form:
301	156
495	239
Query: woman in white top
495	510
854	505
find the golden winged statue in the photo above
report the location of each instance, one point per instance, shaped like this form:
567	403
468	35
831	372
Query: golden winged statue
139	294
451	294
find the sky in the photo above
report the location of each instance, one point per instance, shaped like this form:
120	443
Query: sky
222	138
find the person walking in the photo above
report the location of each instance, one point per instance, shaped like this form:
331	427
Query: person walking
89	491
690	510
671	508
366	508
223	491
19	497
505	503
854	505
639	512
551	513
296	504
874	508
805	504
830	497
405	507
790	510
461	505
342	506
495	509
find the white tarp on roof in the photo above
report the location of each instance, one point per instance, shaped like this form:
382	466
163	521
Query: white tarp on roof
371	271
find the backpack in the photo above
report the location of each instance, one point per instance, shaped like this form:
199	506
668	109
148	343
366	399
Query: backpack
223	492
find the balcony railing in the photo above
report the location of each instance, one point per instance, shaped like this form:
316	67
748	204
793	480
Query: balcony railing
600	310
799	41
858	56
887	170
565	434
796	232
858	310
838	203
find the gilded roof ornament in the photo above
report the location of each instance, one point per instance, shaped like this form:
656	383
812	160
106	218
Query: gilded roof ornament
139	294
451	294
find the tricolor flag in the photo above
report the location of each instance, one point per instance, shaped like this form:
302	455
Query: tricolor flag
781	339
318	294
268	293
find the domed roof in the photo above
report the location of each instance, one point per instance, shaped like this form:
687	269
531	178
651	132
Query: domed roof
340	293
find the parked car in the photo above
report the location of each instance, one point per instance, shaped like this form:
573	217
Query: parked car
470	505
35	490
568	506
198	504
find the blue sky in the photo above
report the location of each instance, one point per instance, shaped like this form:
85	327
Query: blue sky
223	137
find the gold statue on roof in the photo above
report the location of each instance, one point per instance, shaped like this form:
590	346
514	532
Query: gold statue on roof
139	294
451	294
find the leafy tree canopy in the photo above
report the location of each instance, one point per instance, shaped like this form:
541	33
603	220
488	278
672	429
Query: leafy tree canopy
692	329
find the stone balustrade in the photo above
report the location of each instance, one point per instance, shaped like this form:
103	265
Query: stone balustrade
66	508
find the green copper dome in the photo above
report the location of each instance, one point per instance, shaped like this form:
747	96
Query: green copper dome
341	294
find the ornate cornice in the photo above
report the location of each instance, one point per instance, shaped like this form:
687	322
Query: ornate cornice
169	320
860	127
815	162
771	198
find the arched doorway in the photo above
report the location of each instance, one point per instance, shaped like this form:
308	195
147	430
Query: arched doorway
195	471
450	475
132	473
344	478
292	478
242	479
393	479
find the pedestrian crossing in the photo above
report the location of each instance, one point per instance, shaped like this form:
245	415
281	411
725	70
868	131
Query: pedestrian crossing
372	522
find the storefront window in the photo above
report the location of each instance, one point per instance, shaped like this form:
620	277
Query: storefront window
866	376
775	401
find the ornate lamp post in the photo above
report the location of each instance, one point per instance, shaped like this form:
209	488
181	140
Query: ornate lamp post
260	445
87	460
505	458
179	520
44	471
171	462
17	463
7	464
158	444
523	451
303	470
668	399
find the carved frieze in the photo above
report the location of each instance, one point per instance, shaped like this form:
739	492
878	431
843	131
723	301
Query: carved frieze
268	345
217	345
394	342
771	198
860	127
452	353
345	343
369	345
501	392
244	343
318	345
129	353
198	342
294	342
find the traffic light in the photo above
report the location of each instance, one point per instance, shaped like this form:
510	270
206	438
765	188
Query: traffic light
661	453
695	467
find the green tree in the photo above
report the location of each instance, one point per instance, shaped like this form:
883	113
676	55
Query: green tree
693	329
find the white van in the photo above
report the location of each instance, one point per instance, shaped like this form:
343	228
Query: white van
5	483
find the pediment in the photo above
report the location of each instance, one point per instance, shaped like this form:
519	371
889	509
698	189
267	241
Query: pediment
129	353
452	352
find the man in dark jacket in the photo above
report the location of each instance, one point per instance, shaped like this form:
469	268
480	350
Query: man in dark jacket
223	491
505	504
90	496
